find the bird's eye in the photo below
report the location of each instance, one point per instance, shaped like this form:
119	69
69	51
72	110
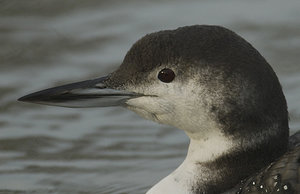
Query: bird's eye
166	75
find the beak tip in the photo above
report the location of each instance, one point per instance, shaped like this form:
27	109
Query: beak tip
21	99
34	97
25	98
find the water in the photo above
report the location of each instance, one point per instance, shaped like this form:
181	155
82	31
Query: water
110	150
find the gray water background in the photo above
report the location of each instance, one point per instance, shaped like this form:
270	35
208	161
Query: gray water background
44	43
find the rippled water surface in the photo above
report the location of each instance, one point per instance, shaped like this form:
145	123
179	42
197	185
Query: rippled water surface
44	43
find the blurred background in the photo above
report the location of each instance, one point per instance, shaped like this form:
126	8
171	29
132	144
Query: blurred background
44	43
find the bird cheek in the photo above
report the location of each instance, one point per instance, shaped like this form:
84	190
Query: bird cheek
153	108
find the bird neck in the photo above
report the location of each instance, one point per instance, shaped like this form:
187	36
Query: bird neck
215	164
194	174
209	148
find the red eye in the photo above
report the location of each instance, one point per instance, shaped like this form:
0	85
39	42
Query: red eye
166	75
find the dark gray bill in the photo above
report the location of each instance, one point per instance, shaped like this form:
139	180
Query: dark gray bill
90	93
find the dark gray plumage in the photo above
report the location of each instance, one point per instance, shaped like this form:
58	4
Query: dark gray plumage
281	176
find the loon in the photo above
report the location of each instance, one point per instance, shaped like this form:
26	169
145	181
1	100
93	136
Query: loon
216	87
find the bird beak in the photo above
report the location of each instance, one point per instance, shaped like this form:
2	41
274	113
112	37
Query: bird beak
90	93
